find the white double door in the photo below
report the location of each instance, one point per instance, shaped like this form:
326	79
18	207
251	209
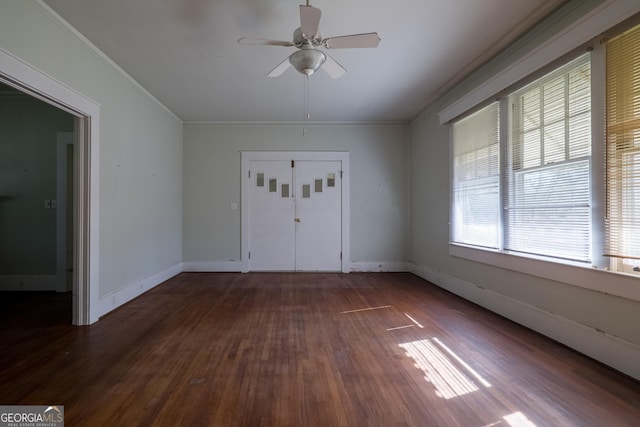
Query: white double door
295	214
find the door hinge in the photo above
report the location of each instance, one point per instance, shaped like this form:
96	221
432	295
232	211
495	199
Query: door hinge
249	255
249	174
293	163
340	174
340	256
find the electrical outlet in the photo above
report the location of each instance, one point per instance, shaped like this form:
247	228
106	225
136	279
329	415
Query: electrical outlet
47	204
54	204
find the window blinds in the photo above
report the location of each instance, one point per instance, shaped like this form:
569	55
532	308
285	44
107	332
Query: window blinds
548	175
476	178
622	223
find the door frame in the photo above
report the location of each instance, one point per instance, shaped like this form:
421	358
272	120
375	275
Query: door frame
64	140
248	156
28	79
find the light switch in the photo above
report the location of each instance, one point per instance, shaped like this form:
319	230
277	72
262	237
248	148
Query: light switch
234	206
54	204
47	204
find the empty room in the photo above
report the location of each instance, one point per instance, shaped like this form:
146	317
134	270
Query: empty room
354	213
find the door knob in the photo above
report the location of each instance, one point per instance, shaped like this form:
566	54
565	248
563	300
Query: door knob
297	220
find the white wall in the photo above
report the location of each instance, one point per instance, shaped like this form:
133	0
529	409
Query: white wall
379	185
598	324
140	146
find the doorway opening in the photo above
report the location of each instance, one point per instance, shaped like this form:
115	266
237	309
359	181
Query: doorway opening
37	201
84	113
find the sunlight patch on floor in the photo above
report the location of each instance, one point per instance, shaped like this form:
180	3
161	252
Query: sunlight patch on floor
440	368
463	363
518	419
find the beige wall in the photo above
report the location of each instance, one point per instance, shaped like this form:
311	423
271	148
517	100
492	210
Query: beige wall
379	184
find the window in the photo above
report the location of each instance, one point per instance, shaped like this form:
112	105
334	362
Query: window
548	175
566	194
622	221
545	172
476	178
526	179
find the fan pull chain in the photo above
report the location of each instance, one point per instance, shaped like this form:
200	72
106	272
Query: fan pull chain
306	98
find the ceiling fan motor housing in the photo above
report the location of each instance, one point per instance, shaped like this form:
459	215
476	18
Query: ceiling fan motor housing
300	38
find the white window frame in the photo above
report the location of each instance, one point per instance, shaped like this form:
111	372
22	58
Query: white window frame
514	170
596	276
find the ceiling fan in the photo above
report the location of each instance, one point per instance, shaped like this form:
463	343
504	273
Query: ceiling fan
308	58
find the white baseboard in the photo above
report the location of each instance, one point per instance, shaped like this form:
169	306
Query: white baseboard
610	350
211	266
234	266
29	283
123	295
382	266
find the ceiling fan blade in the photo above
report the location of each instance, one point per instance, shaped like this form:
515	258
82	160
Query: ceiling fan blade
310	20
264	42
281	68
333	68
352	41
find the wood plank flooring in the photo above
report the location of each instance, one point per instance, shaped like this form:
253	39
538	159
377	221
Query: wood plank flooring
298	349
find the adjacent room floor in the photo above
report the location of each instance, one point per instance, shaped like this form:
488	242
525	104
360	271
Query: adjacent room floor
301	349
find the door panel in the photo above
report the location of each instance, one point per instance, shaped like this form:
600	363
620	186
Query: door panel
318	215
271	213
295	215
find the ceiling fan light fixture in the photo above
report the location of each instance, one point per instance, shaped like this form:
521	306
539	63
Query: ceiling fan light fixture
307	61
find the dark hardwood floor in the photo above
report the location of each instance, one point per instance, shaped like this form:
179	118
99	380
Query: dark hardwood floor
225	349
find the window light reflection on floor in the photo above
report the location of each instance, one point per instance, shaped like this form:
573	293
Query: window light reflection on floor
357	310
400	327
414	321
440	368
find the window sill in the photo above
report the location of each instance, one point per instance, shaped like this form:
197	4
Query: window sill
583	276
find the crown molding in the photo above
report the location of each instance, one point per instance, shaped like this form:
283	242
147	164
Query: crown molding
60	21
298	123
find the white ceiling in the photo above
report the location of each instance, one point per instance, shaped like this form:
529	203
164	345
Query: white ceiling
185	52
